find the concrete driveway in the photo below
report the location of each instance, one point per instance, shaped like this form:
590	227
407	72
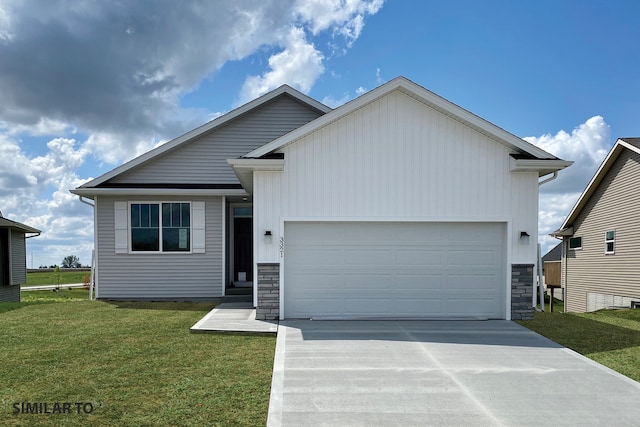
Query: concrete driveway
447	373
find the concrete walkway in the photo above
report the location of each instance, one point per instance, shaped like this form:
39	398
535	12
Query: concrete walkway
439	373
234	317
51	287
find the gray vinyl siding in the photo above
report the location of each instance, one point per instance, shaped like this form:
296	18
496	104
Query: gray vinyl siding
204	160
9	293
615	205
179	276
18	258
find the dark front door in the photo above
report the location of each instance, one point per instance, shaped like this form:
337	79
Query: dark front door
243	248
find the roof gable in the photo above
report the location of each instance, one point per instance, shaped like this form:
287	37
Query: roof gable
621	144
423	95
215	124
7	223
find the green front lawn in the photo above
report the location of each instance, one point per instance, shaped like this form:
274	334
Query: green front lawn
610	337
136	363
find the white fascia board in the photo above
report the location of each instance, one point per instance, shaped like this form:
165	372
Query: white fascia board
257	164
542	166
91	192
419	93
284	89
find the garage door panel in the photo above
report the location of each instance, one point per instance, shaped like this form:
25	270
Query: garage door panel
394	270
367	282
419	257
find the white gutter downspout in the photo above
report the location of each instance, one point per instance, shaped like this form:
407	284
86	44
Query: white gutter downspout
93	252
539	258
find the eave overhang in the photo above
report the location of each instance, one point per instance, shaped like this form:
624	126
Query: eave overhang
90	193
563	232
542	166
244	169
7	223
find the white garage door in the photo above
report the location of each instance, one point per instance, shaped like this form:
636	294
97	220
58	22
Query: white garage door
381	269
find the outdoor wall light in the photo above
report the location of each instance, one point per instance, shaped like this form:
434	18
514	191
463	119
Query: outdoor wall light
524	237
267	236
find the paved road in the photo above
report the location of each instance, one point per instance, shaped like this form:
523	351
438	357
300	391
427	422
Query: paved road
439	373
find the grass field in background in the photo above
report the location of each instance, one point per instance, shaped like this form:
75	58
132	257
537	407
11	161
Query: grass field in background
136	363
49	278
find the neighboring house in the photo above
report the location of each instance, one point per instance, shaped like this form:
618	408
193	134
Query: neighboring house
554	254
13	257
396	204
601	250
551	261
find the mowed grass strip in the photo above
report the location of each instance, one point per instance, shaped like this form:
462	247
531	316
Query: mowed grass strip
136	363
49	277
610	337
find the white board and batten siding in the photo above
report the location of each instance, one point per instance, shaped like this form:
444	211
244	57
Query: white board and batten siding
397	159
123	274
204	160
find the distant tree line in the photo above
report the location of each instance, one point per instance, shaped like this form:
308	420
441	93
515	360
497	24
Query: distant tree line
70	261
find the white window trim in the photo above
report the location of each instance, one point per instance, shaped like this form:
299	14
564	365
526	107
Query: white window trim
607	241
160	251
579	247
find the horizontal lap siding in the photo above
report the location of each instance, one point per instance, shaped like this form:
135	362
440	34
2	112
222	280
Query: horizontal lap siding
9	293
183	276
18	258
615	205
204	160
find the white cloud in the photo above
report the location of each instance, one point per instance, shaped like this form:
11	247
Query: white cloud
299	65
104	80
35	191
336	102
345	17
587	146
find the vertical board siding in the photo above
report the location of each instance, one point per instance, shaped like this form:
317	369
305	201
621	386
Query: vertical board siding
18	258
183	276
615	205
398	158
204	160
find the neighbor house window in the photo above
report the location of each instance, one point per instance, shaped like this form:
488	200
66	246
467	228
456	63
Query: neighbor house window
575	243
161	227
610	242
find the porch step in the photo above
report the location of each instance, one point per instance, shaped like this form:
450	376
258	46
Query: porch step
239	291
237	298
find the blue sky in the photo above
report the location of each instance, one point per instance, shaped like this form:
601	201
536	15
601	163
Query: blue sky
88	85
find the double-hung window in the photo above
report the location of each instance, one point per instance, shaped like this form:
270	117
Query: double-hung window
160	227
610	242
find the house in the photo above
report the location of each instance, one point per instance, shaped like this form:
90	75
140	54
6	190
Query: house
13	257
600	267
396	204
